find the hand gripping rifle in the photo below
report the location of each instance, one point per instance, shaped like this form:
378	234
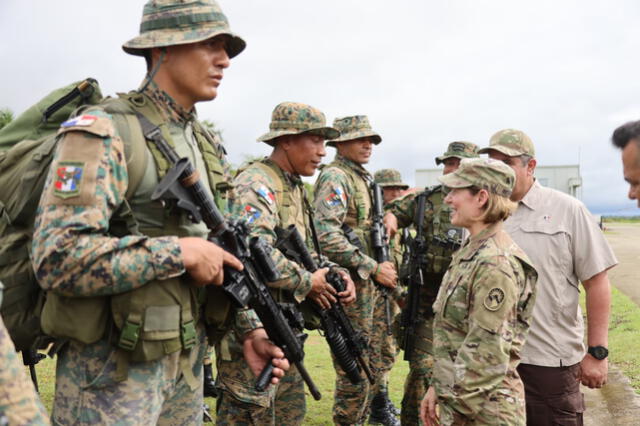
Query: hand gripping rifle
346	344
182	185
417	248
380	245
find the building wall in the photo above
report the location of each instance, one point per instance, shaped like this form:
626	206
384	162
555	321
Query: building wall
563	178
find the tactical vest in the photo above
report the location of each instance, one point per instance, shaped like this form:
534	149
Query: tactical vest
359	204
160	317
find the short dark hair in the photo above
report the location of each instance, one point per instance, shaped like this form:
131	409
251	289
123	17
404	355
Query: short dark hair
623	134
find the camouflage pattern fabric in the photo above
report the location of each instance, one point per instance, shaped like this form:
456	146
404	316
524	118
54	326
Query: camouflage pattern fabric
492	175
172	22
459	149
482	317
74	255
389	177
19	402
510	142
342	197
416	384
255	200
293	118
354	127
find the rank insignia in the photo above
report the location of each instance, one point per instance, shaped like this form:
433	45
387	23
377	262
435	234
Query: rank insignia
80	121
68	179
336	197
251	214
264	192
494	299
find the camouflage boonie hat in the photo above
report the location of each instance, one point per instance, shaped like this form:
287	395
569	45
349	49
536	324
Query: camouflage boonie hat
387	178
354	127
459	149
492	175
510	142
171	22
292	118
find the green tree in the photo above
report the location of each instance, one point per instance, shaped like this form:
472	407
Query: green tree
6	115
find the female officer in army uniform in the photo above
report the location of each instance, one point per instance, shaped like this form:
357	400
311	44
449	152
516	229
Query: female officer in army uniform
483	309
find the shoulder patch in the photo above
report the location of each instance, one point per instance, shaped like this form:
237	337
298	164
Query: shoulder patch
266	194
336	197
494	299
80	121
250	213
68	178
99	126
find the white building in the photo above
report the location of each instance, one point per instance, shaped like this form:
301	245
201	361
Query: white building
563	178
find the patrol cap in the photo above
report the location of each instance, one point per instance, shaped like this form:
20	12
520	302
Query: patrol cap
389	178
354	127
459	149
492	175
171	22
292	118
510	142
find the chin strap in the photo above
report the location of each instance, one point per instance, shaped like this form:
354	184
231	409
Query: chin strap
150	75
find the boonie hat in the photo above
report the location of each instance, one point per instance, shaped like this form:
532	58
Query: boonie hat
389	178
292	118
459	149
492	175
510	142
171	22
354	127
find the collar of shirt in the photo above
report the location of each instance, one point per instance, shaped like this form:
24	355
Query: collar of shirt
168	105
355	167
290	178
532	198
474	243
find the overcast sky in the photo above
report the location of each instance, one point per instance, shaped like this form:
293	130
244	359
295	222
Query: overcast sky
426	72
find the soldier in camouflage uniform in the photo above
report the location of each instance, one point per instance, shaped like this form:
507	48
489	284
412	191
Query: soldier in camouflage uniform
437	228
343	206
19	402
269	193
483	308
124	277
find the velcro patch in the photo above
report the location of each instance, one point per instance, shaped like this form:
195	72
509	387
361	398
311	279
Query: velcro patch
80	121
251	214
265	193
68	179
336	197
494	299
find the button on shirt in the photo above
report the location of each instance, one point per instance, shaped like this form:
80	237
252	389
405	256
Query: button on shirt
566	246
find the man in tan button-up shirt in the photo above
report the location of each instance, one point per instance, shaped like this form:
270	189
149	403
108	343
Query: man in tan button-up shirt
567	248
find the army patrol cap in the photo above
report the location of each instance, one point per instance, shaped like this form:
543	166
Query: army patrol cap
389	178
510	142
459	149
171	22
292	118
354	127
492	175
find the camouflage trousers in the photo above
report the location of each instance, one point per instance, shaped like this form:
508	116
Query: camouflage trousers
240	404
351	402
155	392
415	386
382	338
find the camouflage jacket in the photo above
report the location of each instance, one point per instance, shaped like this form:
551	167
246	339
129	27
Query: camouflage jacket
19	402
342	196
482	317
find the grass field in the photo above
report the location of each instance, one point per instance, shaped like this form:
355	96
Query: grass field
624	346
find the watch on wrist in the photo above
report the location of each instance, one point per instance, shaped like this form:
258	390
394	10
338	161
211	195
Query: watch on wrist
598	352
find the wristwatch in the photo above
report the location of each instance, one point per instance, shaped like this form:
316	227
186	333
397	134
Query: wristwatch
598	352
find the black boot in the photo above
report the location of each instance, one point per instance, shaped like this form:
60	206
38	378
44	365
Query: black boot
206	415
392	408
380	412
209	388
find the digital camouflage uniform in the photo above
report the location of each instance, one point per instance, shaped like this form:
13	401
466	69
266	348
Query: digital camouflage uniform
482	316
19	402
110	259
267	197
437	230
342	196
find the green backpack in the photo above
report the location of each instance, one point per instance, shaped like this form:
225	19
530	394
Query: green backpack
27	146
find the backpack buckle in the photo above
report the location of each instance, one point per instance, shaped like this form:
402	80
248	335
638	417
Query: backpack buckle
129	335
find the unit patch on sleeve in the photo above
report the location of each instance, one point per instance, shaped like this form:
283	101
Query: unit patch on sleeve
265	193
494	299
80	121
336	197
251	214
68	179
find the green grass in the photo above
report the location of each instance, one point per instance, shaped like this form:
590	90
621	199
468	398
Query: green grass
621	219
624	336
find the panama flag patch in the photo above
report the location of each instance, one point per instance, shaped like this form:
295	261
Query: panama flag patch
68	178
266	194
336	197
81	121
251	214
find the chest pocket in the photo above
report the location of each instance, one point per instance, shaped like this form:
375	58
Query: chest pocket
452	303
543	237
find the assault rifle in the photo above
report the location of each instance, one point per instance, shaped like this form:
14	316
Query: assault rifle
417	248
182	186
380	246
345	342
